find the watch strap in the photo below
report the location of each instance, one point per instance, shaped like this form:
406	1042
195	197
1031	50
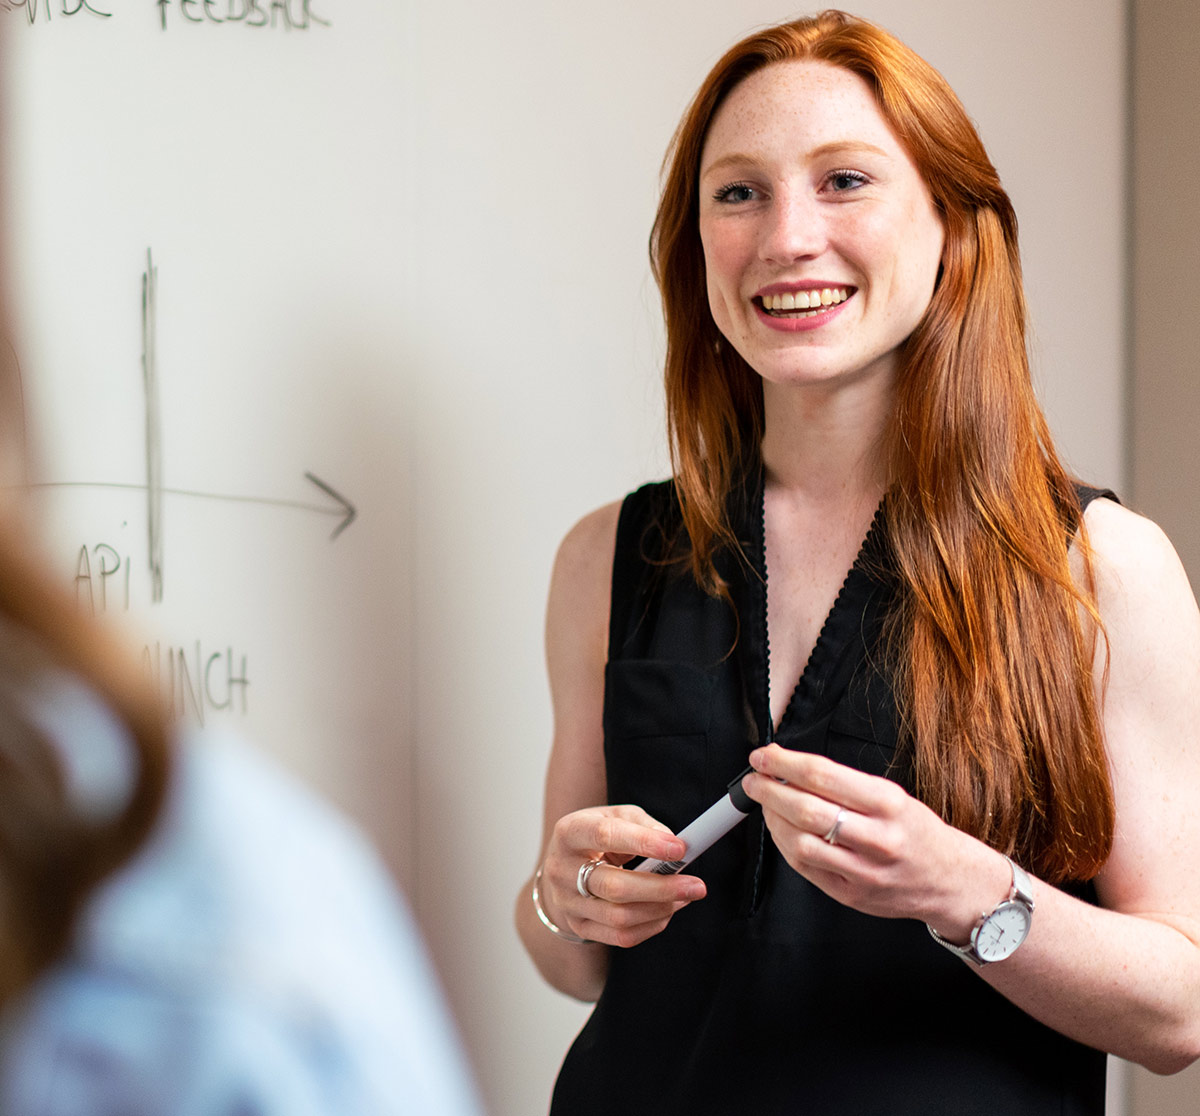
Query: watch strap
1021	891
967	952
1022	885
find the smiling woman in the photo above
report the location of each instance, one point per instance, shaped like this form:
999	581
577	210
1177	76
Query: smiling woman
966	682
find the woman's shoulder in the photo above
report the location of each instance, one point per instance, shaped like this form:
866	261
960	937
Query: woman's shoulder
1131	553
585	555
591	560
1145	599
590	535
598	529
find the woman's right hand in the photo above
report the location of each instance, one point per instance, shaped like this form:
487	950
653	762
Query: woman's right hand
624	907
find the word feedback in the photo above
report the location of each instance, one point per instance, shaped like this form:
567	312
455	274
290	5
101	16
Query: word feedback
291	15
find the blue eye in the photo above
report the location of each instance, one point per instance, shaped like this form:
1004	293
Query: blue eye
734	192
844	180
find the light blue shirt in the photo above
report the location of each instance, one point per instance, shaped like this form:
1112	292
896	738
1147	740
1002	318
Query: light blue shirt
254	960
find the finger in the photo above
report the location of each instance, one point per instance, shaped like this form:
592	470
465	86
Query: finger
626	926
801	807
833	835
804	814
823	777
625	836
636	814
617	885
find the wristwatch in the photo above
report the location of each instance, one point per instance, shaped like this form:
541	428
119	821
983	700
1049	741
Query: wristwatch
998	934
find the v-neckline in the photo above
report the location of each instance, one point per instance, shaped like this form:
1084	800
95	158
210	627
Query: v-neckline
830	639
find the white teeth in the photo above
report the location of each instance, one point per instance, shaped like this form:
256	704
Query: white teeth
803	300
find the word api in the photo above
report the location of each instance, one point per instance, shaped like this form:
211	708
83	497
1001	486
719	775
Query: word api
291	15
101	579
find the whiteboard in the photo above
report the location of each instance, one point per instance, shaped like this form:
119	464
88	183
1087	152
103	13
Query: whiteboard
204	216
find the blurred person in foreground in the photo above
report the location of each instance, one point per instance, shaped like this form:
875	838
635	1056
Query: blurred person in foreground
183	927
968	685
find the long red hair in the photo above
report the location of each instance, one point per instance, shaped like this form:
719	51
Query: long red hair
992	662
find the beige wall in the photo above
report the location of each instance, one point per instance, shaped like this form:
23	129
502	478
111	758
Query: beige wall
1164	400
1165	179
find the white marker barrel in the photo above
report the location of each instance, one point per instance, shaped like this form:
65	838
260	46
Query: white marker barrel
707	829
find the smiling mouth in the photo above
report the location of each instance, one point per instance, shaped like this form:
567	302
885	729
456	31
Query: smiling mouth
803	304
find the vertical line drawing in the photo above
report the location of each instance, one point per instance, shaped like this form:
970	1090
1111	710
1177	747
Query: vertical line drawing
154	501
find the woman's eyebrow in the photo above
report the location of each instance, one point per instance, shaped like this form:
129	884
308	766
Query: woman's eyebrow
847	147
824	150
733	159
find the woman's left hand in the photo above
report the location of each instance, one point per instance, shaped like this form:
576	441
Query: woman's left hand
870	845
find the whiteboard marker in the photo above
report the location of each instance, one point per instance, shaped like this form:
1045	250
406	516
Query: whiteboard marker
709	827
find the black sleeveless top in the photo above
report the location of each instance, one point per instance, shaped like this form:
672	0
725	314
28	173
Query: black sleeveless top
767	997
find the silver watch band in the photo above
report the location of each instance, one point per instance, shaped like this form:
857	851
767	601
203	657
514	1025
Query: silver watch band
1022	885
967	952
1021	892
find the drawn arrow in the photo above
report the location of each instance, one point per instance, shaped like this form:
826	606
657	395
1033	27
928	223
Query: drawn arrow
345	510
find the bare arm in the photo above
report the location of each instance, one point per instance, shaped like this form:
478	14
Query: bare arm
1125	976
575	826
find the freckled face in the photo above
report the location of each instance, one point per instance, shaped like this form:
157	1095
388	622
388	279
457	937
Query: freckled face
821	242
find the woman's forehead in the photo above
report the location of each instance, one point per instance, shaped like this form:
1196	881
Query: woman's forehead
811	103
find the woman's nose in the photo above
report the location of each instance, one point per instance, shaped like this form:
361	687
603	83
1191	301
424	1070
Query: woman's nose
794	229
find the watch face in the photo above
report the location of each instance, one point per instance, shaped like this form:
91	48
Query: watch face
1002	931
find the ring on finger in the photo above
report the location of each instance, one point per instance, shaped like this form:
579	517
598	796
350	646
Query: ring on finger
585	873
832	835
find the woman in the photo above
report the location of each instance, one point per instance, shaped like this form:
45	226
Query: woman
993	732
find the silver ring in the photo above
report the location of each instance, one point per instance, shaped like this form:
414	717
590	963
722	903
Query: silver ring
585	873
832	835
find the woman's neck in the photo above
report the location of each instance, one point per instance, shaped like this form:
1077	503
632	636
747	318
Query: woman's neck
826	444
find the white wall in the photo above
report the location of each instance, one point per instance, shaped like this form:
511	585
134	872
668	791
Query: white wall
408	252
